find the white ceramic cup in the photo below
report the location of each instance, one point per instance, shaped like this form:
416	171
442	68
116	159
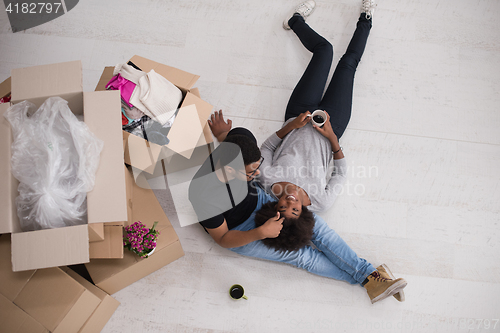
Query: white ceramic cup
319	113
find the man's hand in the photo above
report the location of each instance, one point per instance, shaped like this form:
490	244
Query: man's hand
218	126
272	227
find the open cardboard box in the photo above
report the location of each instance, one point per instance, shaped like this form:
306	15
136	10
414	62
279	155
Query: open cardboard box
106	202
190	142
112	275
5	88
49	300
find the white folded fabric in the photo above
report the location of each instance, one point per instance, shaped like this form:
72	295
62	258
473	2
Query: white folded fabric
128	72
156	96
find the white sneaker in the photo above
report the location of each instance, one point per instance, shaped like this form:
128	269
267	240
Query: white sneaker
304	9
368	7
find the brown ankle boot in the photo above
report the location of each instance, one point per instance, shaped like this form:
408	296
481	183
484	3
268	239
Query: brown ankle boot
379	288
386	273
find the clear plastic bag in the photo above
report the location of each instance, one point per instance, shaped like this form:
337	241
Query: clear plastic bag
54	157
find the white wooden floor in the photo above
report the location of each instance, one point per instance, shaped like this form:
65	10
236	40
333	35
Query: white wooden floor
423	147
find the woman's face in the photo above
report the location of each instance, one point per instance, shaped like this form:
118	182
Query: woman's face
290	205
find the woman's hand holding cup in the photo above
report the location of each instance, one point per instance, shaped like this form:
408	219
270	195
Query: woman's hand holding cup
326	130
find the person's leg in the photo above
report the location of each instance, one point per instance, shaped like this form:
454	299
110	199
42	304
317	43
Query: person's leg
307	94
337	100
338	252
333	258
306	258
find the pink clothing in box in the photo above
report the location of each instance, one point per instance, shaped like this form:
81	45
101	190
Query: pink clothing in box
125	86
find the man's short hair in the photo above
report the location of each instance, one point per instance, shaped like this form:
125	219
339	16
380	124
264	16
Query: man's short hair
296	233
249	149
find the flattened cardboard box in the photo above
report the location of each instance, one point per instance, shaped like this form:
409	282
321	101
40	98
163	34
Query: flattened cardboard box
106	202
190	144
14	320
112	275
103	311
57	301
49	297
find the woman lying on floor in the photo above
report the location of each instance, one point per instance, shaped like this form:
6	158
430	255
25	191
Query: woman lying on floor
297	143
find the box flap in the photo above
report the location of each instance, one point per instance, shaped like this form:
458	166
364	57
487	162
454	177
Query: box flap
8	184
101	269
140	153
49	296
87	285
79	313
37	83
101	315
50	248
5	87
111	246
11	282
183	80
129	182
96	232
104	310
15	320
145	206
204	110
185	132
115	274
106	75
168	237
196	92
107	201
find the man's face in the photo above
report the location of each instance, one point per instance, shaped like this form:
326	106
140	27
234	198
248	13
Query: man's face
251	170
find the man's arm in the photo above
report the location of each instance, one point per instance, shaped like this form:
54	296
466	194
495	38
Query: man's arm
235	238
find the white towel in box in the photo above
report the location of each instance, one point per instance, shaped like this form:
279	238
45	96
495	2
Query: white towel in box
128	72
156	96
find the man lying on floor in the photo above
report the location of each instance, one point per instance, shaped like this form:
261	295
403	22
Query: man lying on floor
226	198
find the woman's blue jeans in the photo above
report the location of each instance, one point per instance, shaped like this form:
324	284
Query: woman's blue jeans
331	258
308	93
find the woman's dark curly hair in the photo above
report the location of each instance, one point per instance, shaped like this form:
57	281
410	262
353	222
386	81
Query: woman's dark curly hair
296	233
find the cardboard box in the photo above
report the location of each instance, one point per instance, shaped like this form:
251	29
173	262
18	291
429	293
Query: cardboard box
106	202
49	300
14	320
112	275
96	232
111	246
56	300
189	145
5	88
52	299
103	311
